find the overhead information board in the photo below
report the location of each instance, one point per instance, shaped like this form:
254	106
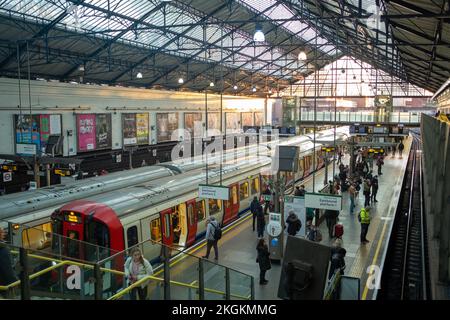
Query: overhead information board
323	201
213	192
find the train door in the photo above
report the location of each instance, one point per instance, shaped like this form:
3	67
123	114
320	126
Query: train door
255	187
244	194
166	225
191	222
180	225
73	234
232	205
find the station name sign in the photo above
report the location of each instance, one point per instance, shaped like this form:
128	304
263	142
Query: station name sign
323	201
213	192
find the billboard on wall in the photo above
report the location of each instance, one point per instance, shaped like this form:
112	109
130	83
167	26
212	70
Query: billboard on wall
166	124
193	123
232	122
86	132
103	131
142	128
247	119
259	119
129	128
213	122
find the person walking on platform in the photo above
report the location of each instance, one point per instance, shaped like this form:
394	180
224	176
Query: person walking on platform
374	186
364	219
255	206
263	260
137	268
211	241
401	146
394	149
370	161
352	196
380	163
331	219
260	223
293	224
366	192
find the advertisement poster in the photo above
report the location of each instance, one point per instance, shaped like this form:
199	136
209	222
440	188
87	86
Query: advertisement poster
45	129
55	124
142	124
86	132
193	124
103	130
129	128
259	119
247	119
166	124
296	204
232	122
213	123
28	130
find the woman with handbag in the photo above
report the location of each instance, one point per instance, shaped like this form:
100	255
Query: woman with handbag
137	268
263	260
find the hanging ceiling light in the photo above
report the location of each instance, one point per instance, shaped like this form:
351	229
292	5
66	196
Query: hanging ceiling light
211	84
180	81
270	91
302	56
139	75
259	34
254	89
235	87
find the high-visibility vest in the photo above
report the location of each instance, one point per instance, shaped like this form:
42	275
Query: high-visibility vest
365	216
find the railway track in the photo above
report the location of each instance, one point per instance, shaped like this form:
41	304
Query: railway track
404	274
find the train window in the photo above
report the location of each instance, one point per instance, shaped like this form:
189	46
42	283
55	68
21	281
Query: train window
255	185
234	194
167	225
132	236
191	215
243	191
214	206
38	237
73	245
200	210
155	229
98	236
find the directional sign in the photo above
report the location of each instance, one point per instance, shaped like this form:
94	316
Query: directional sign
323	201
213	192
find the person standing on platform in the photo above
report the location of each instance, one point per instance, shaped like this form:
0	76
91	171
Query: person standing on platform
7	274
300	191
294	224
211	241
366	192
331	218
255	206
394	149
352	196
260	223
401	146
380	163
364	219
374	186
370	161
137	268
263	260
267	192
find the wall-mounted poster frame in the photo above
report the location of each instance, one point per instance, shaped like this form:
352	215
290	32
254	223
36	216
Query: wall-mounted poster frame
246	119
193	123
93	131
259	119
129	133
103	131
142	128
36	131
213	124
232	121
166	123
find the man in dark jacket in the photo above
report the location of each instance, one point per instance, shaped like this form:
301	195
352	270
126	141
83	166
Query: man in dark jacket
331	218
260	223
7	274
300	191
294	224
255	206
374	186
401	146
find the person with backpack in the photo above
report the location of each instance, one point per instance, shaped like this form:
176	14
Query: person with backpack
213	234
263	260
374	186
364	219
255	206
401	146
260	223
294	224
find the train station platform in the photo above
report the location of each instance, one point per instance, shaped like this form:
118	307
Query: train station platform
237	248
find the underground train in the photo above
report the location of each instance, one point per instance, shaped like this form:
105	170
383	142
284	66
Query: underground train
165	210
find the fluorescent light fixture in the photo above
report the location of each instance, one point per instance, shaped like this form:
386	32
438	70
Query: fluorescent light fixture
259	34
139	75
180	81
211	84
81	68
302	56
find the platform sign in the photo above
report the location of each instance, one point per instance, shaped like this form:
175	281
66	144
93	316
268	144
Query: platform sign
323	201
297	205
274	226
7	176
213	192
26	148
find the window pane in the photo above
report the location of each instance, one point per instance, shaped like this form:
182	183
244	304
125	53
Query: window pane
200	210
234	194
191	216
215	206
38	237
132	236
255	186
243	191
167	224
155	229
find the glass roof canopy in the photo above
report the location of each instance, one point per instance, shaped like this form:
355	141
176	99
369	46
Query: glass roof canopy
154	25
